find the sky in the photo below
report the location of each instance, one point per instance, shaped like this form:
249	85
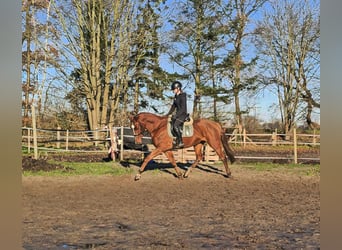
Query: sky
265	103
262	103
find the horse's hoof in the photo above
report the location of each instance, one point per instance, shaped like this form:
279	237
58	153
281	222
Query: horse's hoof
137	177
187	172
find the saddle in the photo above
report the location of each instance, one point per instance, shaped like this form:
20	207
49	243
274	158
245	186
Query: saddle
188	129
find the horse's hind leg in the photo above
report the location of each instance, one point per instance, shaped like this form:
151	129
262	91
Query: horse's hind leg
199	156
216	145
172	160
225	163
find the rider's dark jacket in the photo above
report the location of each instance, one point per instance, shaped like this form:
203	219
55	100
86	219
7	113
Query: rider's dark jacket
179	104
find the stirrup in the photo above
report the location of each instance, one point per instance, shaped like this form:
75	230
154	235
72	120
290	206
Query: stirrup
179	145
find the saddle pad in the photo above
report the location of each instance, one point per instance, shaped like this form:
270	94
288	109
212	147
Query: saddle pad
188	129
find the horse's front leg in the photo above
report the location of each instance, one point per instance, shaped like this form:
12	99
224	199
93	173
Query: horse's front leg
149	157
172	160
199	156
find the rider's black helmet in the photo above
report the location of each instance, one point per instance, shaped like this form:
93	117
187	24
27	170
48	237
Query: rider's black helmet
175	85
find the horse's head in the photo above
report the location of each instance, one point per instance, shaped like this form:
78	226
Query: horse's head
137	128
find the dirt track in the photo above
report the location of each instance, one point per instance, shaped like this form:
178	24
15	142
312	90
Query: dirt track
264	210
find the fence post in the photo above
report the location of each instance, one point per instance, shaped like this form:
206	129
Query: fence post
121	143
34	129
295	145
244	137
314	138
58	144
28	140
274	138
96	137
67	140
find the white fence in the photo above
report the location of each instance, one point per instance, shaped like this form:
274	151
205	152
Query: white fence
114	141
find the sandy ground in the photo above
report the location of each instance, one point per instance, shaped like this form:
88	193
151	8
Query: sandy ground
251	210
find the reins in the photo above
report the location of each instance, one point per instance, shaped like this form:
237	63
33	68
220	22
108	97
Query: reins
139	133
144	129
155	129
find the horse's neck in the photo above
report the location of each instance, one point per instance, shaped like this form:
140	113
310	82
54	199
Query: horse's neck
153	124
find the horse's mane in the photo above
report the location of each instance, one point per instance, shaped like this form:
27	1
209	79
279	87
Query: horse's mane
151	118
148	114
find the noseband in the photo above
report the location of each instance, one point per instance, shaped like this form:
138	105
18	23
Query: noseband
141	133
141	130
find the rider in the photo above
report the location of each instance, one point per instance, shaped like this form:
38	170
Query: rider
179	117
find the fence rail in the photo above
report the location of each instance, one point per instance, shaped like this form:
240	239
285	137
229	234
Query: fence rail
113	141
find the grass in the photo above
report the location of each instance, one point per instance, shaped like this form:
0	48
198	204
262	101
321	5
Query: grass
83	168
117	169
302	169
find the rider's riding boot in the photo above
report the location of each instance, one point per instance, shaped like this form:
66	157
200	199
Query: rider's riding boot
180	144
174	133
179	141
175	142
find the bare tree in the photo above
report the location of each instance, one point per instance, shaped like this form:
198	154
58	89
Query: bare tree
308	58
288	40
99	37
236	16
38	54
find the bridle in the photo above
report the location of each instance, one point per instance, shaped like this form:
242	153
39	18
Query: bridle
141	130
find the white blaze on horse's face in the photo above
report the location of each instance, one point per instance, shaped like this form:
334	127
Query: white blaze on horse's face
133	129
137	133
136	129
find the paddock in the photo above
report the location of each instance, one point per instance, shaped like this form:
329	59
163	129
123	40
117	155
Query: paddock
276	209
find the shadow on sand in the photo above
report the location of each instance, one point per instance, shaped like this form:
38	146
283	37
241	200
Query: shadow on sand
168	168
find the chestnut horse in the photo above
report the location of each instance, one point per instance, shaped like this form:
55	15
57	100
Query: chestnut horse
204	131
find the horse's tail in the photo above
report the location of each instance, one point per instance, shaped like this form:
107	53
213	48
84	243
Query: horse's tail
227	149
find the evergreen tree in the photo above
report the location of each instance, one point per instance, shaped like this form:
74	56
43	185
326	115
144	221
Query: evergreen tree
149	79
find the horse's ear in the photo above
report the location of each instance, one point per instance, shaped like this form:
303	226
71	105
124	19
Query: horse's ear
131	115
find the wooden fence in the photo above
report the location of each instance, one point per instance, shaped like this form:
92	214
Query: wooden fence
187	155
112	142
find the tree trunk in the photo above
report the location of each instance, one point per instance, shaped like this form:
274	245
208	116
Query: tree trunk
28	66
